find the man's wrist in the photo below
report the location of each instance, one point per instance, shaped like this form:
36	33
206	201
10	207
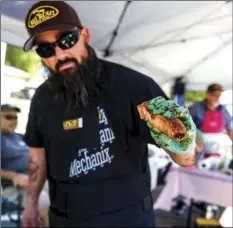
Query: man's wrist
32	200
199	144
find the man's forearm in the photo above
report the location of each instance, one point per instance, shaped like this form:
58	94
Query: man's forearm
7	175
185	160
37	173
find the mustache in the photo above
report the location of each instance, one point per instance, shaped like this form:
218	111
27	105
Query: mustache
67	60
75	87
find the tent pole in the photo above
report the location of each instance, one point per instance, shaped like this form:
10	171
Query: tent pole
107	50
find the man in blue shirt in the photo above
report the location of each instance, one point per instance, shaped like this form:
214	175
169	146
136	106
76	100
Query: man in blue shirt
14	158
209	115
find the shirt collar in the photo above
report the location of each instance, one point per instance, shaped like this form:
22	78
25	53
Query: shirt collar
204	103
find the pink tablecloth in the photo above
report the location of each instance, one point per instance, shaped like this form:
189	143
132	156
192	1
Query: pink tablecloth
208	186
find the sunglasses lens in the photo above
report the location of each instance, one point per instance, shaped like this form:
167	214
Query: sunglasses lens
11	117
45	51
68	40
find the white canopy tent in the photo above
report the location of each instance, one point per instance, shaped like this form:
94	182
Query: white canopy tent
163	39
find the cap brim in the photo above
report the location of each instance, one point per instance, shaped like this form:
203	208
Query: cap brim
11	109
30	42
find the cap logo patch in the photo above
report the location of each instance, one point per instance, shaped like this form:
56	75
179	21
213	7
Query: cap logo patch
41	14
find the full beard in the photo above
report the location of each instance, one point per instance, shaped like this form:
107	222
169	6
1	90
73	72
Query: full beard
75	86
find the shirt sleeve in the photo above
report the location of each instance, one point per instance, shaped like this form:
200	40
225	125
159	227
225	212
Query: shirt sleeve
4	151
193	112
198	113
33	137
227	118
145	90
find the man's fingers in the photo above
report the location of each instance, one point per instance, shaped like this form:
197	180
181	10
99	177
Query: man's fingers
32	223
176	112
24	185
20	181
16	183
159	103
157	111
182	111
188	122
27	223
157	100
40	221
167	108
161	139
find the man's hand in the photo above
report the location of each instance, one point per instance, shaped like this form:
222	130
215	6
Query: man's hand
31	217
170	110
20	180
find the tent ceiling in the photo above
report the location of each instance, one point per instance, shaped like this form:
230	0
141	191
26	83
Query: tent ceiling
163	39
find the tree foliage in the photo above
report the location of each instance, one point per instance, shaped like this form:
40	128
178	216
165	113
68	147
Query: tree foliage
194	96
17	57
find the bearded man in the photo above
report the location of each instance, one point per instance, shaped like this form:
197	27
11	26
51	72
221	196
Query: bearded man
85	132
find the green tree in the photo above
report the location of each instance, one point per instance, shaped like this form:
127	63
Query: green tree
17	57
191	96
194	96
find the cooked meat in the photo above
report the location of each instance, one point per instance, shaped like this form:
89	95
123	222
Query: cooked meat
173	128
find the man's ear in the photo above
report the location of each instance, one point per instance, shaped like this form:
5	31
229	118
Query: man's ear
86	33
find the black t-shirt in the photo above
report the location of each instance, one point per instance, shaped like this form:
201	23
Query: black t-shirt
108	145
121	82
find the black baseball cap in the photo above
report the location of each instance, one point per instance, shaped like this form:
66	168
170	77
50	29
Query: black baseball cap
214	87
8	107
49	15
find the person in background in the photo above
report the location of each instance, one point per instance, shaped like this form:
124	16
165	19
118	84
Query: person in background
15	160
209	115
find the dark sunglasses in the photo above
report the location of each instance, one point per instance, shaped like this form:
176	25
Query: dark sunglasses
10	117
67	40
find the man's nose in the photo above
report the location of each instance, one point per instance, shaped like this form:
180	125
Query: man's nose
15	122
60	54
